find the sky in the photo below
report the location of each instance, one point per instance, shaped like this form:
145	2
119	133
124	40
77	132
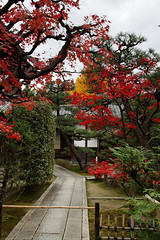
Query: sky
134	16
141	17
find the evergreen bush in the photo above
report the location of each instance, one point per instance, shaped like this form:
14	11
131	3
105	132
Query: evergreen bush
35	152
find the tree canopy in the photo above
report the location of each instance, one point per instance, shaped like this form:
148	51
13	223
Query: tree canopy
128	82
25	29
27	26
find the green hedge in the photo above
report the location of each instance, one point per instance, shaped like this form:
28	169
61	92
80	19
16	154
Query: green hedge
35	152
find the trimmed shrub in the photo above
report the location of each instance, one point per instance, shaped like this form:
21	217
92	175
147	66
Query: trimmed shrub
35	152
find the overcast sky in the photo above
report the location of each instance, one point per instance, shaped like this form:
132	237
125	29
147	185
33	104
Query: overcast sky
139	16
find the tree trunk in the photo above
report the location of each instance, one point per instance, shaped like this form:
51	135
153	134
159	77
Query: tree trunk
141	138
139	131
4	175
73	150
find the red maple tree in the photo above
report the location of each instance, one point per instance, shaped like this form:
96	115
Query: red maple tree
122	103
124	89
25	28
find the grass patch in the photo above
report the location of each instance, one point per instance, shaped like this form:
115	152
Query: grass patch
12	216
72	167
63	163
76	169
97	188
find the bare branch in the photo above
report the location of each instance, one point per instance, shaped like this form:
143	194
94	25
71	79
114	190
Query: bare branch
53	63
153	139
152	200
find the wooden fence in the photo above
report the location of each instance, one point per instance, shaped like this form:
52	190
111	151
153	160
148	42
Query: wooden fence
112	230
1	177
119	228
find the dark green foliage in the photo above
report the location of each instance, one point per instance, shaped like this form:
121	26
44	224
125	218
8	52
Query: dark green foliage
30	160
148	234
35	152
146	215
66	121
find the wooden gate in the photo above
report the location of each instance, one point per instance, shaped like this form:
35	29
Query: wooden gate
120	228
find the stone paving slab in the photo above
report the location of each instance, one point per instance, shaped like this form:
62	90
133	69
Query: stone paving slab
69	189
47	236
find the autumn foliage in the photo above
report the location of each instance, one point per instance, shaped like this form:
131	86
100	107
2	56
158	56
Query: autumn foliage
125	87
121	103
128	165
8	130
25	28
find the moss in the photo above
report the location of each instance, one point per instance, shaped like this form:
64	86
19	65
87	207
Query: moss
12	216
63	163
10	219
72	167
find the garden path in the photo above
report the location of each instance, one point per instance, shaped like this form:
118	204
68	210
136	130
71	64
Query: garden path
69	189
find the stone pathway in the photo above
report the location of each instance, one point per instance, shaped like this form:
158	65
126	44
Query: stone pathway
69	189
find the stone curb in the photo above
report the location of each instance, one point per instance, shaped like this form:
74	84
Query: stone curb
85	224
19	226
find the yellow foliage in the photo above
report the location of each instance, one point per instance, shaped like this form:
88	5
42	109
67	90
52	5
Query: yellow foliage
82	85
